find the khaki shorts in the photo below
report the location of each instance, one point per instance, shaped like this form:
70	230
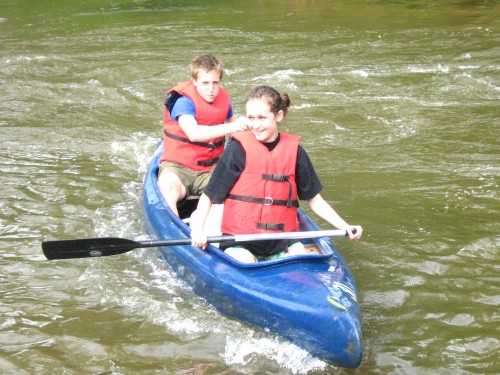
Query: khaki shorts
193	181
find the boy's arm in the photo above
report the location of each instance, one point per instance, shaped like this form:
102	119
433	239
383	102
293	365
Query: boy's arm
204	133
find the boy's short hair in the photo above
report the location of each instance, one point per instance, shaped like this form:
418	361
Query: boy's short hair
206	63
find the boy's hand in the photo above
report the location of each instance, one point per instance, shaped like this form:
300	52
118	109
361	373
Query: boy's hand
241	124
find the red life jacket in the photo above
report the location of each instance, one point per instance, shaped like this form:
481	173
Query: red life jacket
199	156
264	198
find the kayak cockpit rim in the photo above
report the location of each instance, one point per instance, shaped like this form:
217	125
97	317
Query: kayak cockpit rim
322	243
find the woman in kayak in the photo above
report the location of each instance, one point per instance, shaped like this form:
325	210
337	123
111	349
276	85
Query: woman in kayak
260	177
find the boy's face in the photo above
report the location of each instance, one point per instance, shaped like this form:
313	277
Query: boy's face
208	84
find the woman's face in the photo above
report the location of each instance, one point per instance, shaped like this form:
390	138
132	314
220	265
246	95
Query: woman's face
264	123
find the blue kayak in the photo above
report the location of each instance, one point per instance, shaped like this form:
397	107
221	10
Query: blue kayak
310	299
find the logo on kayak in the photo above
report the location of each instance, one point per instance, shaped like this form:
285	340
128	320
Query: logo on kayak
340	291
332	302
95	253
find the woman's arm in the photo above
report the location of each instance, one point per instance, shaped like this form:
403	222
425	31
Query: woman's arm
198	218
326	212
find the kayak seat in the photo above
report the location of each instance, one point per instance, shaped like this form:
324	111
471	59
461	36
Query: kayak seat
187	206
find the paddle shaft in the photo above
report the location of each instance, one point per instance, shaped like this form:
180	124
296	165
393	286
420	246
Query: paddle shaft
98	247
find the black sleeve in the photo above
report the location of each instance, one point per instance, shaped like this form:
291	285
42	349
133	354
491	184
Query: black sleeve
226	172
308	183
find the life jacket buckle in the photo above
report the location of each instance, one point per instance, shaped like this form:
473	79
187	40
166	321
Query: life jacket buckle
268	201
211	146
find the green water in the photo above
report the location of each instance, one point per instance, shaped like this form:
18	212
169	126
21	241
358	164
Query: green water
398	106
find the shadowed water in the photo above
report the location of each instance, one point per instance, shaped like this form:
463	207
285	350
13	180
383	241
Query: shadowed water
397	105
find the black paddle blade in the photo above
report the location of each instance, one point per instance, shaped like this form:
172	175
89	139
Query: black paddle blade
87	247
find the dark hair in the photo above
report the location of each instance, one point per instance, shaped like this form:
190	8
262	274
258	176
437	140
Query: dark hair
277	102
206	63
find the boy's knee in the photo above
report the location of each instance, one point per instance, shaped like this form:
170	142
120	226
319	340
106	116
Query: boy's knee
170	184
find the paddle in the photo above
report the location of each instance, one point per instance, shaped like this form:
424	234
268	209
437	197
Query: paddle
98	247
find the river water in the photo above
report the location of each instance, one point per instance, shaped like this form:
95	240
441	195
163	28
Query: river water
398	106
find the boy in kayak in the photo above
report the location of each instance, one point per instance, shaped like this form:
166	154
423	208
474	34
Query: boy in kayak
197	117
259	178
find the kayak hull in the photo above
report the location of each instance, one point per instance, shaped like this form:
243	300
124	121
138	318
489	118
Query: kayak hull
309	299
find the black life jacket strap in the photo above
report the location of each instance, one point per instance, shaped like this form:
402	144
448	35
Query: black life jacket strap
268	201
211	146
208	163
281	178
270	226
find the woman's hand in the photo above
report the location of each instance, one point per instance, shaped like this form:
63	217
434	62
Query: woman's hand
199	239
354	232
